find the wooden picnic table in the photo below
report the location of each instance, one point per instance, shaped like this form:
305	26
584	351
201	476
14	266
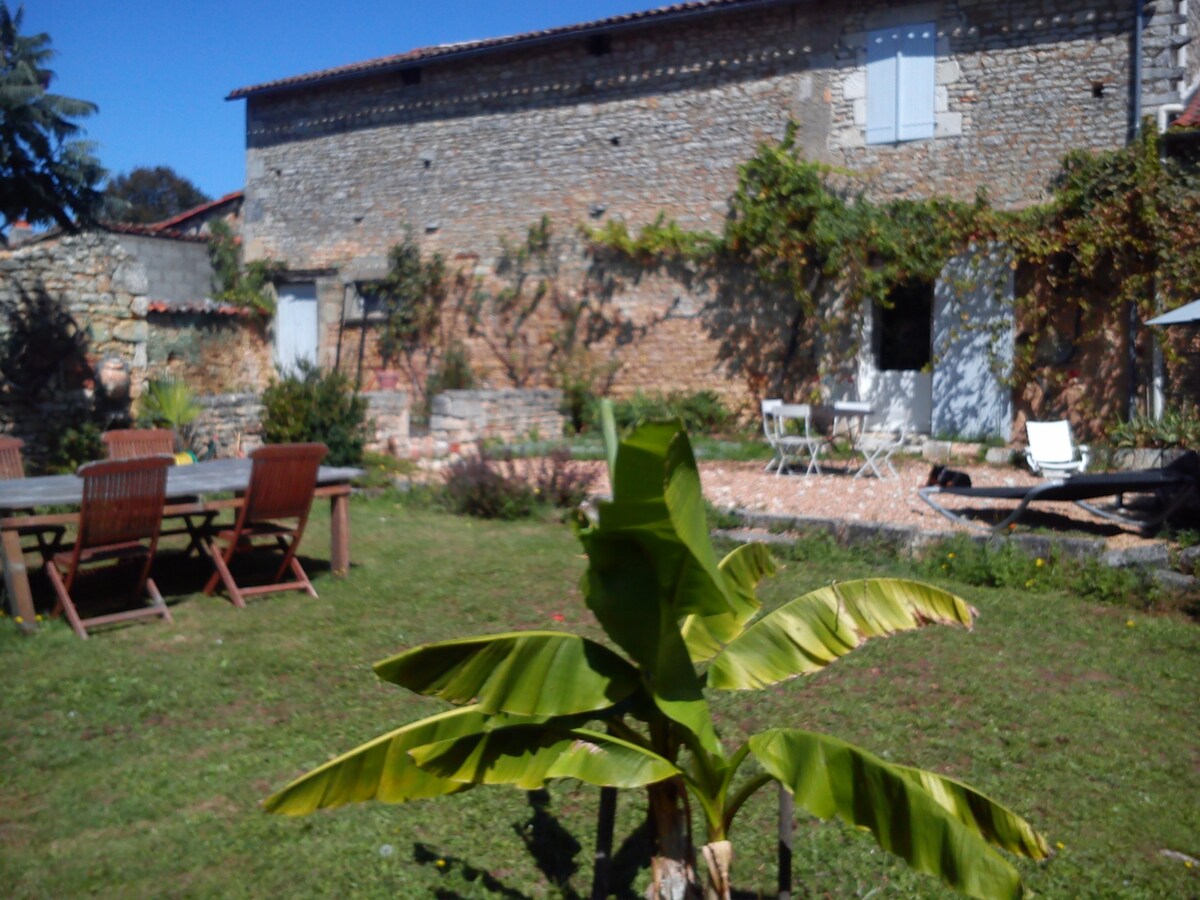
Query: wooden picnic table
189	491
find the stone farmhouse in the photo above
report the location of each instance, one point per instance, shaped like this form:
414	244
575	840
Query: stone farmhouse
634	115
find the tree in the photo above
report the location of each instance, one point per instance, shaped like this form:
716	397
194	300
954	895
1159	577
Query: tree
150	195
47	176
527	701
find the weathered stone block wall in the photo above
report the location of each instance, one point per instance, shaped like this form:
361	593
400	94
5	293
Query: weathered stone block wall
176	269
462	417
387	414
482	147
91	278
215	353
233	421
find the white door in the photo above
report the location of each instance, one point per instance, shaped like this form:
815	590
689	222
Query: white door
296	325
973	347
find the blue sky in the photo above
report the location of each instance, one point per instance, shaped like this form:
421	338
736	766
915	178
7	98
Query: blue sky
160	69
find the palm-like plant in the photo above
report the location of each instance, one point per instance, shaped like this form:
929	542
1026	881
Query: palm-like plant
47	175
531	706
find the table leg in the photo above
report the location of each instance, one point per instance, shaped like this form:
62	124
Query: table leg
16	582
339	533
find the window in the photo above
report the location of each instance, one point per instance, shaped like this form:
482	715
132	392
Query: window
900	84
903	332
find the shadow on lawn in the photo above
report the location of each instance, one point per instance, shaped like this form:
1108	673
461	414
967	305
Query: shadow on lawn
554	850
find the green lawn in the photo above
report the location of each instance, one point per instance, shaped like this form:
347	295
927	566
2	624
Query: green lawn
135	761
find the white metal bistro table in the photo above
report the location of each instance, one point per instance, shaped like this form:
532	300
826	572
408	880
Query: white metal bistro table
187	488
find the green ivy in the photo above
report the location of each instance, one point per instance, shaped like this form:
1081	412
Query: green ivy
249	286
1122	228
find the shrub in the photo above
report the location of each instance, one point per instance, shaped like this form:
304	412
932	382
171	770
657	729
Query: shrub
170	403
700	411
560	482
1176	428
308	404
70	447
495	486
488	488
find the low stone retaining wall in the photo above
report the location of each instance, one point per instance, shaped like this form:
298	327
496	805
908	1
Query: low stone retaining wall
1181	574
388	422
232	421
459	418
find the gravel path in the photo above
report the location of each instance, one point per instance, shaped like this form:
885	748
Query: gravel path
838	495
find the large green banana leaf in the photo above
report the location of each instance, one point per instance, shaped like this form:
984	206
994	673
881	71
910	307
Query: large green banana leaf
528	757
808	633
651	563
382	769
829	778
744	568
525	673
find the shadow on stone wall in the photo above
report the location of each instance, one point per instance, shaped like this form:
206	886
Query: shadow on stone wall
50	395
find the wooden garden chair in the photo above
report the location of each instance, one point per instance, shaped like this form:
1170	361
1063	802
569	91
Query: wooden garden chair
129	443
119	522
126	443
275	508
12	465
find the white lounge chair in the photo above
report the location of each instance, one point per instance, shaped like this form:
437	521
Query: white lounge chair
1052	450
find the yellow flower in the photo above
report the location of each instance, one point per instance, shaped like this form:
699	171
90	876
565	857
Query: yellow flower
39	617
950	556
944	567
1129	623
1039	562
1061	846
1029	583
18	619
441	864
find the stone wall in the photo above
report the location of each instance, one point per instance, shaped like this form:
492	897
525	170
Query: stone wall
387	415
216	352
176	269
462	417
477	149
232	421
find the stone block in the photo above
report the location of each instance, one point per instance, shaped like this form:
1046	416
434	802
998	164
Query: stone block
1146	556
999	456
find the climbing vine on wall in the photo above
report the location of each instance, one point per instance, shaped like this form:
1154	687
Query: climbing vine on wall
1122	227
248	285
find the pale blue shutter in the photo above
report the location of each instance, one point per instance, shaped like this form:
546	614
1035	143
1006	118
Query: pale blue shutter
916	72
881	86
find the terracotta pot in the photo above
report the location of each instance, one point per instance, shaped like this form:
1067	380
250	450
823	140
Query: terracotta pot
386	380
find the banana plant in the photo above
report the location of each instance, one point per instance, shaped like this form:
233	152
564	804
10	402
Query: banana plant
528	707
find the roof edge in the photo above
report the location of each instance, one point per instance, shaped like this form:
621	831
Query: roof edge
386	64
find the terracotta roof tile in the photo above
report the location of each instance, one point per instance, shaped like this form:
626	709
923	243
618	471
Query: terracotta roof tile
1190	117
176	220
206	305
467	48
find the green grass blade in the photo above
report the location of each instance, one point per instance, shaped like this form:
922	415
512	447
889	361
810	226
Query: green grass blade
812	631
529	673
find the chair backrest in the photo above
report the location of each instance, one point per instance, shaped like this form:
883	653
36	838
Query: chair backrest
1050	442
122	500
770	420
11	464
283	478
126	443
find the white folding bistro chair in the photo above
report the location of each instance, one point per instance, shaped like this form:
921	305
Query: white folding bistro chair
880	452
1052	450
771	431
800	446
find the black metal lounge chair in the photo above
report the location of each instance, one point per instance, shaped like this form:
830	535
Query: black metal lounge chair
1170	487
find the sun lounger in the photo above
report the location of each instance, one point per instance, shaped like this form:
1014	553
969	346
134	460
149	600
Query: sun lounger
1170	487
